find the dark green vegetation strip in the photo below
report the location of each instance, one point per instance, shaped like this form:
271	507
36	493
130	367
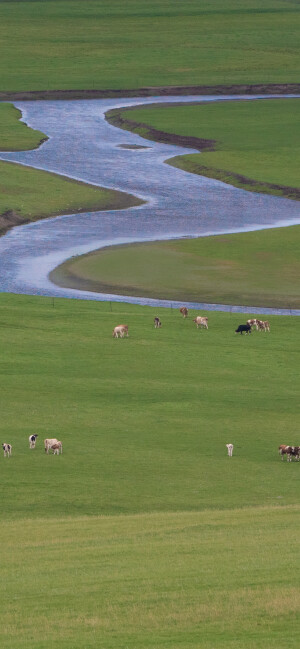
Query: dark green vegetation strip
180	581
28	194
254	268
249	144
207	546
70	44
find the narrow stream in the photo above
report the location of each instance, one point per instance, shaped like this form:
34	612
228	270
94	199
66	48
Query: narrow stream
84	146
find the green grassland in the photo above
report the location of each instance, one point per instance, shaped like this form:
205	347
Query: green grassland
183	580
28	194
67	44
256	141
254	268
143	532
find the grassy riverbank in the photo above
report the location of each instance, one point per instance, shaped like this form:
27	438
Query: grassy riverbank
142	533
28	194
254	268
249	144
67	44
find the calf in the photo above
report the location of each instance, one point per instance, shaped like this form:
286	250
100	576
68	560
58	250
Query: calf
7	448
32	440
201	321
157	323
120	330
253	323
229	449
48	443
245	327
56	448
184	311
263	325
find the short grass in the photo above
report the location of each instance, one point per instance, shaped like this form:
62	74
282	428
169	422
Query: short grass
254	268
256	139
67	44
28	194
143	533
180	581
144	420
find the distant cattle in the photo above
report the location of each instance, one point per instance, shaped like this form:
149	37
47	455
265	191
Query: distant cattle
32	440
201	321
7	448
253	323
184	311
157	323
120	330
229	449
56	448
290	452
263	325
243	327
49	442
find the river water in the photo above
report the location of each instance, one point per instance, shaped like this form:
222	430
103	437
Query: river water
84	146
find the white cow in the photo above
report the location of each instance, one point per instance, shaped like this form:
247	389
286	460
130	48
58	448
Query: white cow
229	449
48	443
201	321
7	449
32	440
120	330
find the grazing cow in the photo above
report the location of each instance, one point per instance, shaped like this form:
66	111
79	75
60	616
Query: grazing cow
120	330
157	323
32	440
263	325
184	311
229	449
56	448
245	327
290	452
7	448
266	325
201	321
48	443
253	323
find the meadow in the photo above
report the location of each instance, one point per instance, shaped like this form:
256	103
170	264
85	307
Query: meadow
251	268
70	44
255	143
27	194
143	532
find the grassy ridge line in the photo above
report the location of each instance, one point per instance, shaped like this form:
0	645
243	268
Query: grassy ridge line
121	119
28	194
184	580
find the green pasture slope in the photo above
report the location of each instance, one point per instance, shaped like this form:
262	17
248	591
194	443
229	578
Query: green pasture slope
76	44
28	194
252	268
143	533
256	144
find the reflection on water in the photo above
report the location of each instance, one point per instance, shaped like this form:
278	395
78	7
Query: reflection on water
84	146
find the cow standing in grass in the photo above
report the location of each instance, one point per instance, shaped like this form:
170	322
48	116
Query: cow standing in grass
32	440
7	448
157	323
229	449
184	311
243	328
120	331
201	321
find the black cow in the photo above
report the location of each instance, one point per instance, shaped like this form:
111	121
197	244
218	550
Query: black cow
241	328
157	323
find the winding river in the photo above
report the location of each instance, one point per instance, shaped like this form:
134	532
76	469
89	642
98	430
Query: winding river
84	146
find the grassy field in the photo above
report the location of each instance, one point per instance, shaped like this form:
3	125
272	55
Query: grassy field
254	268
28	194
252	140
66	44
143	532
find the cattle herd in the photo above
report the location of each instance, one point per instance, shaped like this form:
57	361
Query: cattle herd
200	321
120	331
52	444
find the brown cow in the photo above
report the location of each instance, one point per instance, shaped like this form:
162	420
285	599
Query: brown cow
184	311
157	323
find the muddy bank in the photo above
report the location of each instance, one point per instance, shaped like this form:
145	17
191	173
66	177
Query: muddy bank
115	117
152	91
